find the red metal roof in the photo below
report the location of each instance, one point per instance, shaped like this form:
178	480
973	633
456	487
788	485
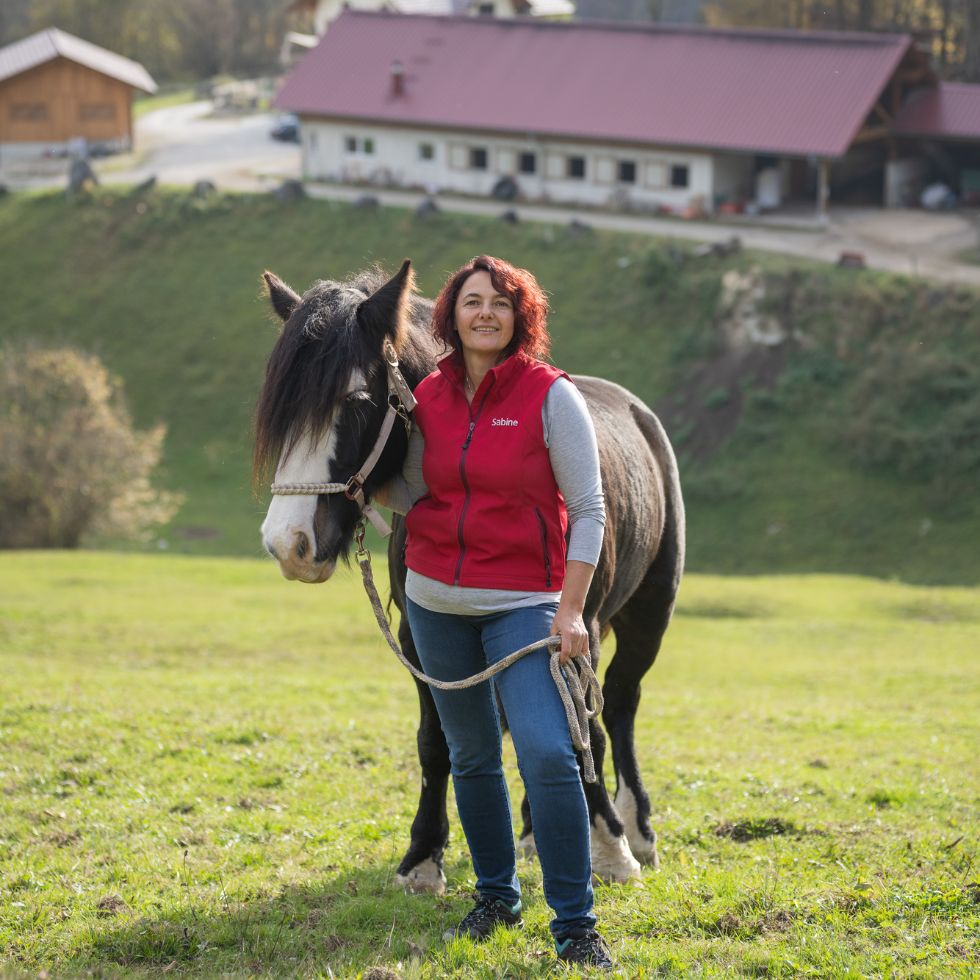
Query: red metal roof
781	92
950	111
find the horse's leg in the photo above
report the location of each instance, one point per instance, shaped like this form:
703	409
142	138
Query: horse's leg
639	628
421	868
525	843
612	860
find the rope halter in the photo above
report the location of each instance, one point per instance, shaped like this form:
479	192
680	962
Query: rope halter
401	403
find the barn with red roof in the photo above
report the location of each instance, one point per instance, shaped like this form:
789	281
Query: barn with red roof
680	118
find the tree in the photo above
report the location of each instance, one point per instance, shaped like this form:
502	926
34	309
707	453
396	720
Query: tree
71	462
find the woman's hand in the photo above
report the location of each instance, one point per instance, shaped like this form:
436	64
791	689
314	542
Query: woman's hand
568	621
574	636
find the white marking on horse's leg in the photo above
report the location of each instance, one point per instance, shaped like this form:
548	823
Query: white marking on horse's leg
644	849
612	860
426	876
526	846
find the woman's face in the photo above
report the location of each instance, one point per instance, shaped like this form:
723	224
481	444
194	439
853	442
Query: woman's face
484	317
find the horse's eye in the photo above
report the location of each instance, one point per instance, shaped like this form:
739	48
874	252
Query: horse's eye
357	395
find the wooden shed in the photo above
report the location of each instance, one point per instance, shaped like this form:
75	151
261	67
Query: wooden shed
55	88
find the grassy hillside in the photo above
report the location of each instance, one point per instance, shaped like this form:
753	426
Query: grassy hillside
208	771
850	450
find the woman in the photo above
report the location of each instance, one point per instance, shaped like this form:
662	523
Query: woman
502	462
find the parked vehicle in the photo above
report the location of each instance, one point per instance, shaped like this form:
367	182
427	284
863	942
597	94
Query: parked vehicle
286	128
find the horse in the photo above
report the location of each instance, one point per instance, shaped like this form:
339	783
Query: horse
328	404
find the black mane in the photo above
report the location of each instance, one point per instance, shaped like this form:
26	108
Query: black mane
321	343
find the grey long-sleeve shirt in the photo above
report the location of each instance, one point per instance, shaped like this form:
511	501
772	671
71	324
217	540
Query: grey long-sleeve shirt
570	438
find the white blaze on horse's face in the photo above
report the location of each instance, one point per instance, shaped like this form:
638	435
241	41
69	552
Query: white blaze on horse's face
288	531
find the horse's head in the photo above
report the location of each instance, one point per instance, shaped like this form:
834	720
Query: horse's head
321	408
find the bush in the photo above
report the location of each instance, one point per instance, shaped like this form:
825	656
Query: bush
71	462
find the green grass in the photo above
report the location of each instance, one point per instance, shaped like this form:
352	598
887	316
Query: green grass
166	290
163	100
209	771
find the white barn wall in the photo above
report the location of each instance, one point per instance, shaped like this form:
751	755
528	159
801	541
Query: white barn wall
732	177
396	161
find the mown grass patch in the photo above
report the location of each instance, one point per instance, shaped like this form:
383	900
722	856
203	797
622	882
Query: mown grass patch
207	770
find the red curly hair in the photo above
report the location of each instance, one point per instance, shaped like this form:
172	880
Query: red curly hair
518	285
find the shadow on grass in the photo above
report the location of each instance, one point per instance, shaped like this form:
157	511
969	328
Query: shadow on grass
357	920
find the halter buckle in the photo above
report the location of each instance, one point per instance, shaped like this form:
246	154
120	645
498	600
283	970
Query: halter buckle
353	488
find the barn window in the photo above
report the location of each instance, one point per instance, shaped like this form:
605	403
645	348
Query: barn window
368	145
679	175
28	111
97	110
627	172
478	158
350	144
575	168
528	163
485	10
427	151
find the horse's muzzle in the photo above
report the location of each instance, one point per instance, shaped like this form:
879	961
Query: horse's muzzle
312	573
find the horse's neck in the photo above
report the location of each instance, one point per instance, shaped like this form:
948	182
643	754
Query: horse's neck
419	355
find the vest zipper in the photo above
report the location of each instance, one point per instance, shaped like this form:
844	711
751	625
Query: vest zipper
466	501
544	546
466	486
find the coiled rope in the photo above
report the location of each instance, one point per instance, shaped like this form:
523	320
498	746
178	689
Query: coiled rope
578	686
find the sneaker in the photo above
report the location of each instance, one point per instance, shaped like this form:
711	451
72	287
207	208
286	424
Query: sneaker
587	950
484	917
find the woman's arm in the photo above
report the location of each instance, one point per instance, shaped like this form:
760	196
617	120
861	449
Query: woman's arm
574	454
568	621
400	493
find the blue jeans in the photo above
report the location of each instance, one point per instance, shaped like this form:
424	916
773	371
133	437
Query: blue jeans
452	647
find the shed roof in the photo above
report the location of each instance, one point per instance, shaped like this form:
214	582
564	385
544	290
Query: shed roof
52	43
948	111
784	92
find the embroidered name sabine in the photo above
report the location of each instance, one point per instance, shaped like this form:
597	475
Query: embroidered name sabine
504	422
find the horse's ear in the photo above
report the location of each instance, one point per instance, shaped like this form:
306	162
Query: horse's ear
284	300
383	313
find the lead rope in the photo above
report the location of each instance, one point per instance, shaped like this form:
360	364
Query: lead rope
581	704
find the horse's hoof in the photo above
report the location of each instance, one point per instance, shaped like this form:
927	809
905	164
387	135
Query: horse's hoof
612	859
526	847
425	878
643	843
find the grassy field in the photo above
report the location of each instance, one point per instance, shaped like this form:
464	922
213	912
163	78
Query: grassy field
862	458
207	770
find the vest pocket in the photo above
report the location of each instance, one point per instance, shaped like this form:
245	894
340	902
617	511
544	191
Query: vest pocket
543	528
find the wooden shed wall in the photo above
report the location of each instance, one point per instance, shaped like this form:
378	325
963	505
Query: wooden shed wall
61	100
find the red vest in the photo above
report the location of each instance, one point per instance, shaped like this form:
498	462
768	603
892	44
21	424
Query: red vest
494	517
